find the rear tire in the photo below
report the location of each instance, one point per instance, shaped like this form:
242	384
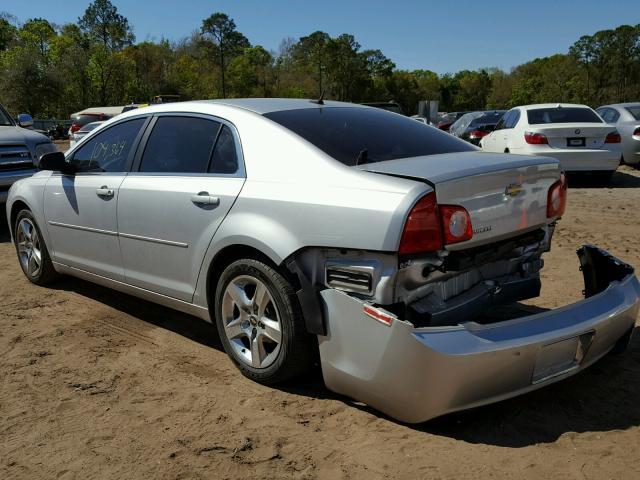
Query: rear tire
260	323
32	251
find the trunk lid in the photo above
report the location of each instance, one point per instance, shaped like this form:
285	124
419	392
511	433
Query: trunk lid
505	195
574	135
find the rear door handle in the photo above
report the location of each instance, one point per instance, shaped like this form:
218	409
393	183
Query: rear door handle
203	198
105	192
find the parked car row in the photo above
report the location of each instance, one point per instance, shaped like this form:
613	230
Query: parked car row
582	139
325	230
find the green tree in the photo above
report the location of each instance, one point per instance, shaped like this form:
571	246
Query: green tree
311	52
221	30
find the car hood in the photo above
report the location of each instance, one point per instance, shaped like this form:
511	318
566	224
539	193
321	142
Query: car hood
21	135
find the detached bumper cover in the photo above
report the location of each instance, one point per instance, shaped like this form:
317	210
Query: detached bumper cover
415	374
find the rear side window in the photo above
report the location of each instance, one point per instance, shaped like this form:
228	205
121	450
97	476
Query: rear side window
634	111
180	145
225	157
512	120
365	135
562	115
108	151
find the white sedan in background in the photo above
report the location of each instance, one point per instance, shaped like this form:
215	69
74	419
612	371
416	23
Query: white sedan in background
83	132
626	118
573	134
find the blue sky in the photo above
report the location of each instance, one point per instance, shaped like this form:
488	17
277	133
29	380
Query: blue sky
444	36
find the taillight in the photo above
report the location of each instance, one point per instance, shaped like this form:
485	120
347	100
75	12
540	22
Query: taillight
456	224
613	137
557	197
74	127
535	138
478	134
430	226
422	230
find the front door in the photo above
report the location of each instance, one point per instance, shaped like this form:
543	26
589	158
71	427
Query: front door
80	210
188	177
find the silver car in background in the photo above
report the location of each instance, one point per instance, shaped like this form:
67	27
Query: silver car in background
626	118
317	229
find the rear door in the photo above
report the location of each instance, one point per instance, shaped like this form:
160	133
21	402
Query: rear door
185	180
80	210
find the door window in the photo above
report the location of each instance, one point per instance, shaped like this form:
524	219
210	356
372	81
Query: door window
225	156
108	151
180	145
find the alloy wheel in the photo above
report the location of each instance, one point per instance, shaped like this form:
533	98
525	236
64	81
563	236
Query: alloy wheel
251	321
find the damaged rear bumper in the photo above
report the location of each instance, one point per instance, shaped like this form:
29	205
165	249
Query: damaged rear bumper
415	374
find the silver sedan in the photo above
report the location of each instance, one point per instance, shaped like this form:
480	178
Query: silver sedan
316	229
626	118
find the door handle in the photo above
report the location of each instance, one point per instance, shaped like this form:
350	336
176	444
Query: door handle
105	192
203	198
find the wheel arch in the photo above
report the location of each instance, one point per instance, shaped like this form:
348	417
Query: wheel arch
306	293
16	207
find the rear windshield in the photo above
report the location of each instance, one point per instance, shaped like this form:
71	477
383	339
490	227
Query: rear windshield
366	135
487	119
90	126
562	115
85	118
635	111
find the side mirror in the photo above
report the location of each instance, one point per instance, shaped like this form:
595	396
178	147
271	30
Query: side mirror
55	161
25	120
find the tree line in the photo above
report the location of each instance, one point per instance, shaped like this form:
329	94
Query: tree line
50	70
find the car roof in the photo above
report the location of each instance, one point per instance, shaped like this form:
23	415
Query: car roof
268	105
627	104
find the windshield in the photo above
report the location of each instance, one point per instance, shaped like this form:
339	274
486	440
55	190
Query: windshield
365	135
562	115
5	119
635	111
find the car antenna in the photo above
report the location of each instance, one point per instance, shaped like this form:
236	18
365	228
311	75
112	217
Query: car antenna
320	101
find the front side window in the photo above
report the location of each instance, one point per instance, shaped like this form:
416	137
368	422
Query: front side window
538	116
180	144
109	150
354	135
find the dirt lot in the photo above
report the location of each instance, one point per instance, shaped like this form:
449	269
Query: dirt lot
97	384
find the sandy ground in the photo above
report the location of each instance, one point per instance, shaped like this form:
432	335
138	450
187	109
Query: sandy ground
97	384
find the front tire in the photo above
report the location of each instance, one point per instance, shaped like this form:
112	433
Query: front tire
32	250
260	322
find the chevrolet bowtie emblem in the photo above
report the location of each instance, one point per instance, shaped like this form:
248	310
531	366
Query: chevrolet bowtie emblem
513	190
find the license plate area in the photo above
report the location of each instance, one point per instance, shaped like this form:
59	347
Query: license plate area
576	142
561	357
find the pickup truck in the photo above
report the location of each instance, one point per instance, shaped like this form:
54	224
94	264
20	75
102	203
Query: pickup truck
20	149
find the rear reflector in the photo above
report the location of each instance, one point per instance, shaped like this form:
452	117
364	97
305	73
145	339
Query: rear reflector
422	230
557	197
613	137
456	224
378	315
535	138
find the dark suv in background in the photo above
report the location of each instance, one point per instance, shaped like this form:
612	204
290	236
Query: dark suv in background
20	149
